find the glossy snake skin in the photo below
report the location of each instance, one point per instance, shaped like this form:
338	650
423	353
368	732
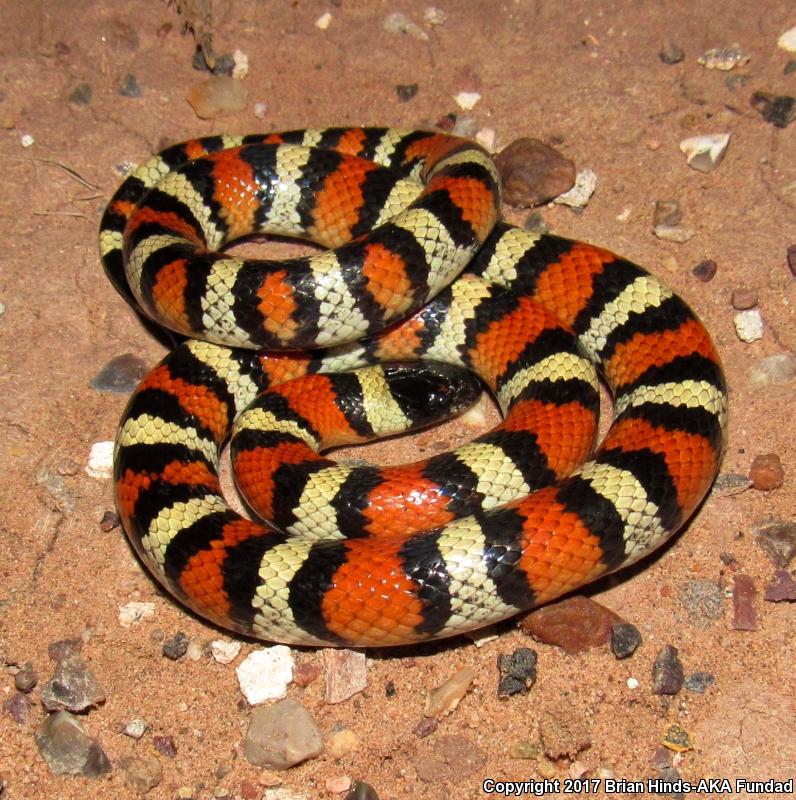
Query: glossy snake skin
419	270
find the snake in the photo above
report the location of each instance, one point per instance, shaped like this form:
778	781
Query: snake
416	284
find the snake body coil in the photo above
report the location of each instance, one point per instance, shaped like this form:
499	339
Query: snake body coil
380	556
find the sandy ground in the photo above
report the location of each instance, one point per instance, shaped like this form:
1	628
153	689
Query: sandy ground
584	75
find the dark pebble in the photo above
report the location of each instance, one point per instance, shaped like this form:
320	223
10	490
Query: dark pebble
789	67
425	727
535	223
778	109
783	588
389	689
362	791
667	672
130	86
661	758
109	521
699	681
517	672
671	53
26	678
81	95
175	647
743	299
62	49
406	91
18	707
120	375
791	257
165	745
533	173
625	638
705	270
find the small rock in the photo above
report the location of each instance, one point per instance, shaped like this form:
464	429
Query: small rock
338	785
444	699
67	749
789	68
406	91
486	137
81	94
574	624
790	255
705	270
26	679
744	299
578	196
100	460
73	686
778	109
676	233
533	173
563	733
778	540
703	601
667	212
362	791
175	647
632	683
743	597
120	375
195	651
165	745
677	739
671	53
524	749
776	369
667	672
130	86
723	58
465	126
698	682
452	758
18	707
260	109
217	95
283	793
434	16
281	736
425	727
324	21
704	153
134	613
224	651
142	772
264	674
517	672
400	23
625	639
783	588
64	648
110	520
535	223
766	472
670	263
345	672
341	742
787	41
661	759
729	484
749	325
135	728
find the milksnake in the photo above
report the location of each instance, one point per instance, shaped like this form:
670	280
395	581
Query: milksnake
381	556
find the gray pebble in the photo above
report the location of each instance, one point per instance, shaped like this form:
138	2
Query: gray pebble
362	791
120	375
778	540
81	95
625	638
26	678
703	601
671	53
175	647
698	682
667	212
67	749
130	86
517	672
73	686
667	672
18	707
281	736
406	91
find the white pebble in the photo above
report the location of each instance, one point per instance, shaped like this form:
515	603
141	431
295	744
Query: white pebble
323	21
578	196
100	460
749	325
788	40
2	309
704	153
632	683
194	651
486	138
135	729
434	16
400	23
624	215
723	58
26	140
264	674
240	68
260	109
224	651
467	100
134	613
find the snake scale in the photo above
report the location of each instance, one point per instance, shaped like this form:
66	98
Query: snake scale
297	356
